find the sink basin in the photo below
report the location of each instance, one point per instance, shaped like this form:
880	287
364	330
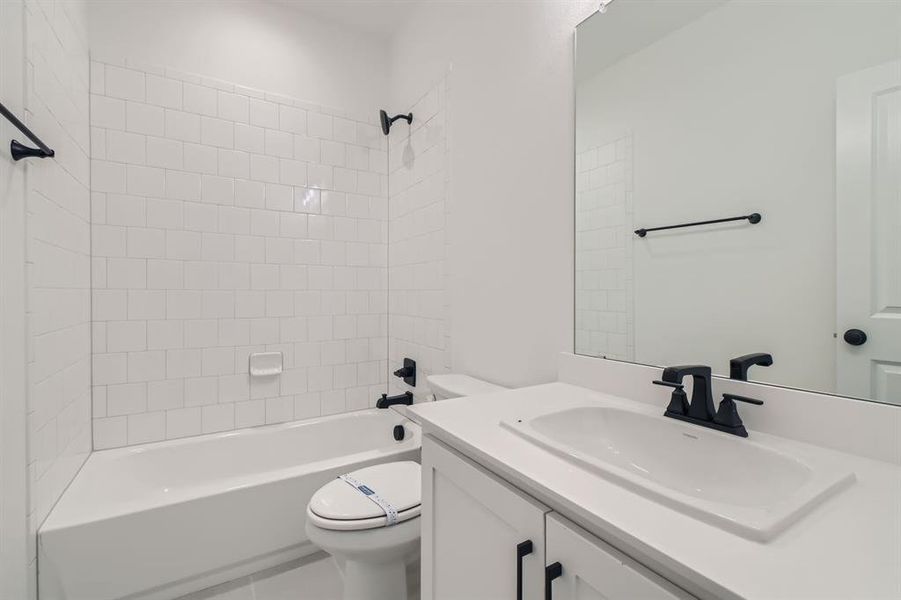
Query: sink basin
737	484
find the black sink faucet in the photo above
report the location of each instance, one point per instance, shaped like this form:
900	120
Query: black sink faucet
701	405
700	410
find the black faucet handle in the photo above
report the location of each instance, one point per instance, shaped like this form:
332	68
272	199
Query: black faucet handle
407	372
678	403
678	386
742	399
727	414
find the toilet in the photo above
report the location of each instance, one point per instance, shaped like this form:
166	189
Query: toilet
346	518
454	385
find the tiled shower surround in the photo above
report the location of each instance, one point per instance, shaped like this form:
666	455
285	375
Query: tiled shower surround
227	221
419	194
605	315
58	257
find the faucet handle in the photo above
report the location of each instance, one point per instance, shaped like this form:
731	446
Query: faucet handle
742	399
678	403
727	414
669	384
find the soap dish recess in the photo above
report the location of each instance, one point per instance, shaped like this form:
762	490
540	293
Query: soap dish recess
265	364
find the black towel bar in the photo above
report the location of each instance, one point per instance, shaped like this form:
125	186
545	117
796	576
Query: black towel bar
753	219
20	151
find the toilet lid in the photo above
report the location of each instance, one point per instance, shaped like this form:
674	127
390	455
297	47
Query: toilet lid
398	483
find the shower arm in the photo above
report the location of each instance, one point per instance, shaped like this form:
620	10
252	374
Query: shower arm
408	118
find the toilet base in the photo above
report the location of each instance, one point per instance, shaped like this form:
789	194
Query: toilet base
368	581
374	563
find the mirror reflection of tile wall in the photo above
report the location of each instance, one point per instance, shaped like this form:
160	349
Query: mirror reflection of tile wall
604	315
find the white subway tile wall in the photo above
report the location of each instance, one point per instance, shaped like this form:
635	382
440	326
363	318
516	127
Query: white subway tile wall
605	317
228	221
419	197
58	255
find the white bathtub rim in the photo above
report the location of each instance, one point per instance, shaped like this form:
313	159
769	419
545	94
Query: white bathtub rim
64	517
256	430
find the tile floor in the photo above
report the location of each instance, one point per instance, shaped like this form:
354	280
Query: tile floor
312	578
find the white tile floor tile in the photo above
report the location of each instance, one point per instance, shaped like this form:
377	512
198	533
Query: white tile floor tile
311	578
319	580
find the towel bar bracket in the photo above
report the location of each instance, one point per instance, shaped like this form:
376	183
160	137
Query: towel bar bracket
19	150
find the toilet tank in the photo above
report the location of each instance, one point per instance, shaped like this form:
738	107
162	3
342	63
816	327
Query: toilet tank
453	385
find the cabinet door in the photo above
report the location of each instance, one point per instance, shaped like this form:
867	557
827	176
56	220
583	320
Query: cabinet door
472	525
585	568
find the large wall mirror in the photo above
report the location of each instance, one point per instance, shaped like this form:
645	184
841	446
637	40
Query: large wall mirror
784	116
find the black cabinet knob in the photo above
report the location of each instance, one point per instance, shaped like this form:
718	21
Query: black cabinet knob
855	337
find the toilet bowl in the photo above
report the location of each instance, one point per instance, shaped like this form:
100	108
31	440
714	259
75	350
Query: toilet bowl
348	517
372	555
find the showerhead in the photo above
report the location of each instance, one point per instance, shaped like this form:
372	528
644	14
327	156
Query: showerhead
388	121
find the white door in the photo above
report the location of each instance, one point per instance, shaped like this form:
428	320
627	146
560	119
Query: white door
582	567
868	192
473	525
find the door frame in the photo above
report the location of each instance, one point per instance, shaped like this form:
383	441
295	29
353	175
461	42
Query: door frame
854	271
15	561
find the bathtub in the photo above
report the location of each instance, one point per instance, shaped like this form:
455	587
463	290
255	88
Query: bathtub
161	520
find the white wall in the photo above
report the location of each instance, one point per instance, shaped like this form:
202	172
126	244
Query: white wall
58	254
732	114
227	223
14	480
510	229
268	46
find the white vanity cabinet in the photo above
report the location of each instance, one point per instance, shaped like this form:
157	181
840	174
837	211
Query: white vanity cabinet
483	539
472	525
582	567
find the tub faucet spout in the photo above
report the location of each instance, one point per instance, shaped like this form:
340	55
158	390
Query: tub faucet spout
385	401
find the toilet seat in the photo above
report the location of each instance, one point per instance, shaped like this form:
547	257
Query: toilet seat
338	506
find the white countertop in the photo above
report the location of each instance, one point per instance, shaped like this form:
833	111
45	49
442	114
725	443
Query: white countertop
849	547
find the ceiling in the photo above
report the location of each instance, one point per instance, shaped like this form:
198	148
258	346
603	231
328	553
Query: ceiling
381	18
628	26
